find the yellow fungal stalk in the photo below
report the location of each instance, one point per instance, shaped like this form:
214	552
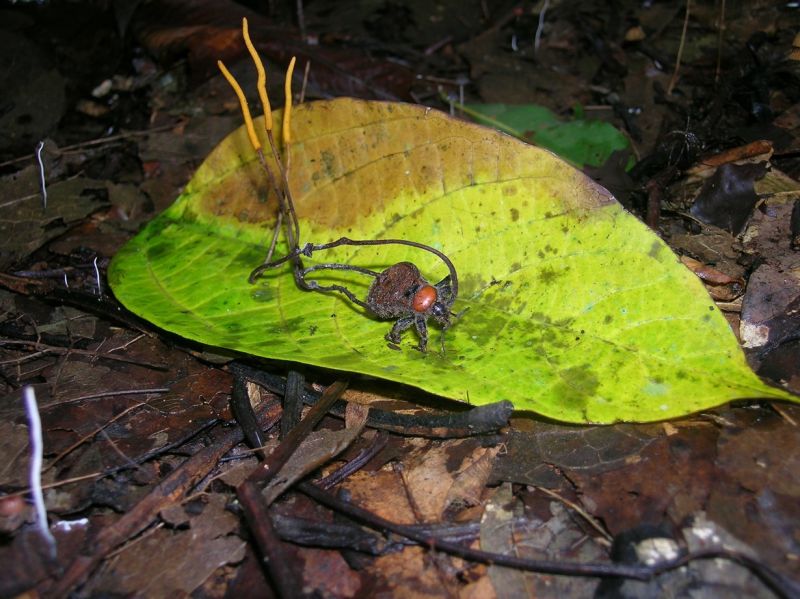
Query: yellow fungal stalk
287	110
262	94
248	120
262	76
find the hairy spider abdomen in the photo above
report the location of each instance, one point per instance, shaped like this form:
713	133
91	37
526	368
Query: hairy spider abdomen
392	293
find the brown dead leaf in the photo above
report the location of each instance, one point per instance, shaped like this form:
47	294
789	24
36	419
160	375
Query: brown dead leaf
530	456
471	479
629	495
380	492
168	562
721	287
25	227
14	454
318	448
756	151
431	472
508	528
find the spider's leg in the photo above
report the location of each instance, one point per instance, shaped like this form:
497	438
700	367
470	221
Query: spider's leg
401	325
422	329
445	290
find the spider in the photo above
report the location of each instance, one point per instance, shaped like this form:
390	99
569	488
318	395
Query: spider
400	292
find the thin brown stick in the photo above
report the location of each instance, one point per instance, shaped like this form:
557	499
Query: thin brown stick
254	506
583	513
782	585
92	142
107	394
59	483
418	517
720	34
166	493
674	79
91	435
306	72
81	352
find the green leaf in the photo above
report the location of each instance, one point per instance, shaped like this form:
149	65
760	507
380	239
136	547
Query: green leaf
580	141
576	310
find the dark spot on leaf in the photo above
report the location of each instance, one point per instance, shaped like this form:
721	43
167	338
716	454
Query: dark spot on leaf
295	323
263	294
157	226
328	160
158	250
655	249
578	385
548	274
608	319
312	329
514	214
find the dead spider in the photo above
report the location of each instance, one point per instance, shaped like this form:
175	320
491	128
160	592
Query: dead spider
399	292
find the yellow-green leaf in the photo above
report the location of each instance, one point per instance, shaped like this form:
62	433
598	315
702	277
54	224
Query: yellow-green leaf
575	309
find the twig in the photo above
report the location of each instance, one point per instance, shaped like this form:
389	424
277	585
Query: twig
149	532
108	394
249	492
35	479
61	483
584	514
99	429
306	72
301	20
776	581
117	450
93	142
127	343
42	347
166	493
720	33
476	421
358	462
674	79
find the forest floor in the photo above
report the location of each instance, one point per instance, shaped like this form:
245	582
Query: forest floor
142	456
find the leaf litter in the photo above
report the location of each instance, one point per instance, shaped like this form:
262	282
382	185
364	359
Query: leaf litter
725	473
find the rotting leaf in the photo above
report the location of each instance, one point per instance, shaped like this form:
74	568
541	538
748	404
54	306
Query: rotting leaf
557	538
576	310
728	196
25	227
168	563
317	449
